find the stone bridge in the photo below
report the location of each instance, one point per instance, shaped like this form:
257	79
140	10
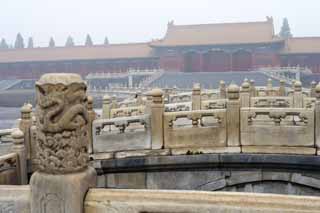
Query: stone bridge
164	151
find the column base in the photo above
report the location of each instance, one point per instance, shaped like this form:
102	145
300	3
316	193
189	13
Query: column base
63	193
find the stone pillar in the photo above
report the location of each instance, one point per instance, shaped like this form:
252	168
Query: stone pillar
245	95
253	91
222	88
269	87
139	99
313	89
297	95
130	81
282	88
92	116
157	110
25	125
233	116
64	177
317	118
19	148
114	102
196	97
148	102
106	106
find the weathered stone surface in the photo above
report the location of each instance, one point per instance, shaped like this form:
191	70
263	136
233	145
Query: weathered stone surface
62	123
15	199
132	201
279	150
205	150
138	153
55	193
126	180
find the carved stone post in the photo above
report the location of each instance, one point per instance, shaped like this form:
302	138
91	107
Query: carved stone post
269	87
313	89
64	177
139	99
317	117
25	125
92	116
148	102
253	91
19	148
233	116
106	106
245	95
282	88
223	91
196	97
297	95
157	110
114	102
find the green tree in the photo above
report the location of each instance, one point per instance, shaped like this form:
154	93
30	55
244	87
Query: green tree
88	41
69	42
30	42
52	43
19	43
106	41
3	44
285	31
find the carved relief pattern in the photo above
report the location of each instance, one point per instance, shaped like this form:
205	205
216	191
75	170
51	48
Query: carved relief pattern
62	127
7	207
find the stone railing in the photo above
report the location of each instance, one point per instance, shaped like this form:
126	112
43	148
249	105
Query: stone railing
207	127
127	133
236	123
64	181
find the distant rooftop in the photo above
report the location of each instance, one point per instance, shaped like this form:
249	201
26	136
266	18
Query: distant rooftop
219	34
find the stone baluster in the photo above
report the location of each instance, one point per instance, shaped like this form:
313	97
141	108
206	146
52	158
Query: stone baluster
297	95
313	89
222	88
25	125
106	107
148	102
233	116
139	99
92	116
317	118
19	148
63	177
282	88
157	110
114	102
196	97
269	87
253	90
245	95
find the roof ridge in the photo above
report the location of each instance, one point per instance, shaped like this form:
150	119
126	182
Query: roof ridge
225	23
72	47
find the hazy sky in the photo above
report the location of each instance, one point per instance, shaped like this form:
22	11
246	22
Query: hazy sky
142	20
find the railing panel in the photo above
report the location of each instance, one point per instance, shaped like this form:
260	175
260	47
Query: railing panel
214	104
127	111
271	102
177	107
200	128
125	133
277	127
9	169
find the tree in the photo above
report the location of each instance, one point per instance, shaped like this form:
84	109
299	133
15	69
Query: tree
19	43
88	41
285	31
52	43
106	41
30	42
69	42
3	44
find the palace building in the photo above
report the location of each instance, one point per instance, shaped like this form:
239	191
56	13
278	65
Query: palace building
185	48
